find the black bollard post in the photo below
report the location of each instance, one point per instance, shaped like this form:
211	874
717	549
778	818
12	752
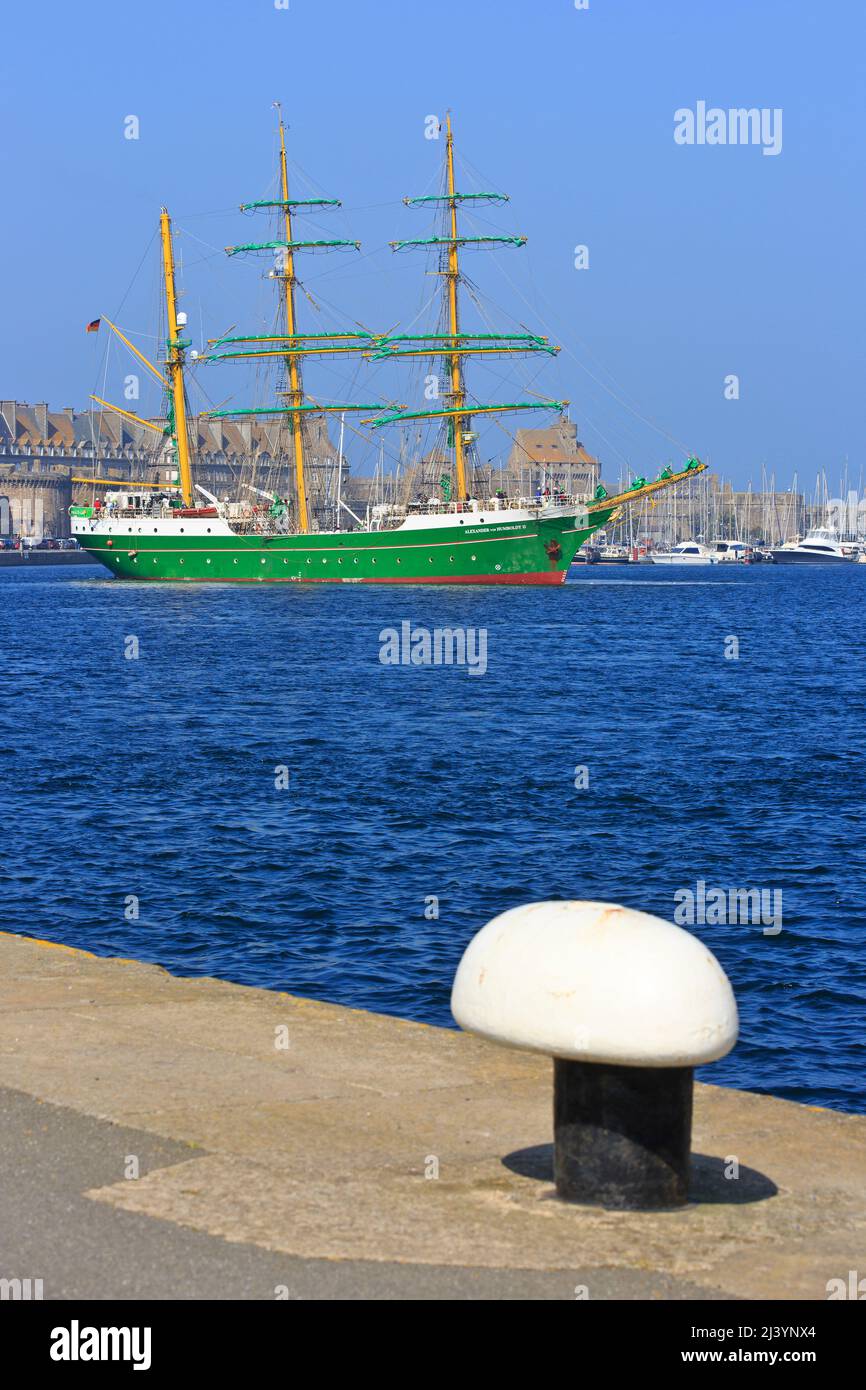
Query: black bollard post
622	1135
627	1005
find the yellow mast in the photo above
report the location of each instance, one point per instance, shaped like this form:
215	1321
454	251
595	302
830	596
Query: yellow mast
175	362
458	393
140	355
128	415
296	393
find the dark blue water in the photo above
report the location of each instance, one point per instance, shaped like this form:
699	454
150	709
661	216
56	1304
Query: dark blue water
155	779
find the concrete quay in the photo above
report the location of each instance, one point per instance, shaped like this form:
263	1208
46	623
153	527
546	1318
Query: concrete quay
44	559
289	1148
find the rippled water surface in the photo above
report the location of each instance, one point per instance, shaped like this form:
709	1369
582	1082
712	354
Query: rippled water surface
155	778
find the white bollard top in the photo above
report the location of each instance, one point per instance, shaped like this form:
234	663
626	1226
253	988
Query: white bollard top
595	982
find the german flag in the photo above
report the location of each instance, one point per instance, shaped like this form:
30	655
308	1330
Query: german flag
93	327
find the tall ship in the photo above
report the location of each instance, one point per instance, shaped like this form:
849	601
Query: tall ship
180	532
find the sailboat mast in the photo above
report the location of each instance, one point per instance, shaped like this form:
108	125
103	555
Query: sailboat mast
458	394
296	394
175	362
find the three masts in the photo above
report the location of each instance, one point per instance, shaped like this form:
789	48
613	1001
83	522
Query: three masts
460	539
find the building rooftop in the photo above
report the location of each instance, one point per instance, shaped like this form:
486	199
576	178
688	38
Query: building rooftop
30	427
557	443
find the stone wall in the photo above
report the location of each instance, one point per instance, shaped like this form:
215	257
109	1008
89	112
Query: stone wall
34	506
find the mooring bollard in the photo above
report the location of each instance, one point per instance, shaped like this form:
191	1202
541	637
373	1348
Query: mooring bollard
627	1005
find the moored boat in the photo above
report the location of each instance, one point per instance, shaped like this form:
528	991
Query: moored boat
686	553
820	546
735	552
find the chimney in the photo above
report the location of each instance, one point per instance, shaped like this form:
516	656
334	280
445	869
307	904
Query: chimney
41	413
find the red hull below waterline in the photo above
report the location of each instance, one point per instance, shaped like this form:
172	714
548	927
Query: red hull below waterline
548	577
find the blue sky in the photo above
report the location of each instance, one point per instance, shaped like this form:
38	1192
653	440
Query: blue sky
704	261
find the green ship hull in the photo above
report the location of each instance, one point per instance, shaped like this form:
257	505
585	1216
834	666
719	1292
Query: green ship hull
537	550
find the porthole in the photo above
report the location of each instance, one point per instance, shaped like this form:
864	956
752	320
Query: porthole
309	561
207	562
355	561
181	530
324	560
262	561
399	561
451	558
234	562
429	559
208	530
374	561
498	567
472	557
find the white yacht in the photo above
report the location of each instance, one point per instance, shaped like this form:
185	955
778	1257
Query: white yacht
734	551
820	546
686	553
